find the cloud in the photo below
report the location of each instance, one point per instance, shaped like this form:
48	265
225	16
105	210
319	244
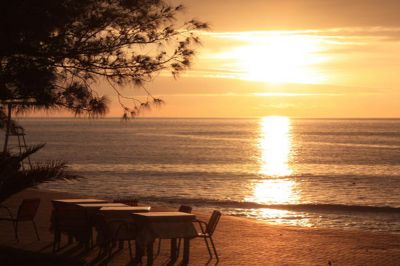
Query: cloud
347	56
329	33
292	94
237	15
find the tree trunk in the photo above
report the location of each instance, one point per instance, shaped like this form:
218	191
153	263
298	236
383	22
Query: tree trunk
5	148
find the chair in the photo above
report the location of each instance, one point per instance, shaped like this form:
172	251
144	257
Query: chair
185	208
26	212
207	230
182	208
72	221
110	232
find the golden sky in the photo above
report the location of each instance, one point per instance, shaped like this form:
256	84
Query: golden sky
301	58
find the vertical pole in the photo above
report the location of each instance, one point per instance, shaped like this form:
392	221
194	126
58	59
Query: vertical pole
8	128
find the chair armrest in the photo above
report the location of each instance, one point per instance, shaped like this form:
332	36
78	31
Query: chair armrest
120	223
8	210
203	225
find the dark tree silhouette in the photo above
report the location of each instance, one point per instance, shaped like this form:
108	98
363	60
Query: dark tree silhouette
53	51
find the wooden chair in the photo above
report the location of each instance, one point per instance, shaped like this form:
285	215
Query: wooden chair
26	212
112	231
207	230
182	208
104	235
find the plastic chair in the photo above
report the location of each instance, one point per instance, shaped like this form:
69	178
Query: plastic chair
182	208
26	212
207	230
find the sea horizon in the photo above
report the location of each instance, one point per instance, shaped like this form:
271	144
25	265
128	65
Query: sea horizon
29	117
305	172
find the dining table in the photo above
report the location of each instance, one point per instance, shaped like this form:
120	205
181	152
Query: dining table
122	212
92	209
70	219
77	201
121	215
75	217
70	202
164	225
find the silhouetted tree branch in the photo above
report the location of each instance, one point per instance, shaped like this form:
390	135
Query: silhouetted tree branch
55	50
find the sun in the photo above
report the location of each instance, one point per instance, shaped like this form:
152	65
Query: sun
279	57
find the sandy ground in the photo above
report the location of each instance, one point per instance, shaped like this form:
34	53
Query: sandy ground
239	242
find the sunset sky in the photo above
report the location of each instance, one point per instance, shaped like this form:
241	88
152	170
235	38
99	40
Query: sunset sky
301	58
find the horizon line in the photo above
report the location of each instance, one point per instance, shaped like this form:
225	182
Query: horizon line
205	117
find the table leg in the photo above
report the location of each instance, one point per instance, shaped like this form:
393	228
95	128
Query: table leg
186	251
139	252
57	240
70	239
174	250
150	254
120	244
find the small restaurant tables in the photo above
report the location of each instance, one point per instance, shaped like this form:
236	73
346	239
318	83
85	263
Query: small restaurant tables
164	225
77	201
58	203
122	212
75	218
149	225
92	208
117	216
97	206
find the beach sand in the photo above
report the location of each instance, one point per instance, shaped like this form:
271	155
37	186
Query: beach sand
239	241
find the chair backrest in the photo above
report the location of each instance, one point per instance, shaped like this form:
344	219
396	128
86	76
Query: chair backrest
113	229
28	209
72	220
102	228
130	202
213	222
185	208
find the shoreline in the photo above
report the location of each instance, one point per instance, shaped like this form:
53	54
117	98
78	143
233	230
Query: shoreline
240	241
311	210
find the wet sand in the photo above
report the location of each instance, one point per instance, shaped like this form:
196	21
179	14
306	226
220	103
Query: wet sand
239	241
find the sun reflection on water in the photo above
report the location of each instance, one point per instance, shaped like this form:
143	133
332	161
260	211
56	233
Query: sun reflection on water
275	191
275	145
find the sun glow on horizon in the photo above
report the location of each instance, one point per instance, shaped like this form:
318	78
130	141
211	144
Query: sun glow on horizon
278	57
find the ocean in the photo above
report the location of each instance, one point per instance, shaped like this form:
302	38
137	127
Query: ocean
335	173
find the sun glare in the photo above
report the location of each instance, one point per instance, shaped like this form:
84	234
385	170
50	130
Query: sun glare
279	58
275	146
275	191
